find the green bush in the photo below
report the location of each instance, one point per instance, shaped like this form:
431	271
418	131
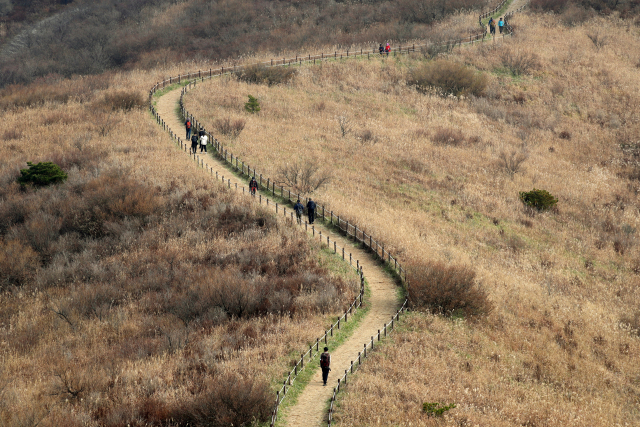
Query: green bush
252	106
448	78
436	409
42	174
542	200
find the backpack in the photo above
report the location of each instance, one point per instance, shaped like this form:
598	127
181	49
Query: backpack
324	360
188	124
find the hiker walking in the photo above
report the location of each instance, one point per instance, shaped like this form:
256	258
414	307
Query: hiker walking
253	186
381	49
187	125
299	209
492	26
194	143
387	48
325	364
500	25
203	142
311	210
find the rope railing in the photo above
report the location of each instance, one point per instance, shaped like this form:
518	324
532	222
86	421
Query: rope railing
349	229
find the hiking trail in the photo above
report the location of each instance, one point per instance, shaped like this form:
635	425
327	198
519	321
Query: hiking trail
383	302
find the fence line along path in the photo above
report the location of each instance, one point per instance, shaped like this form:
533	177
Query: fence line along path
310	408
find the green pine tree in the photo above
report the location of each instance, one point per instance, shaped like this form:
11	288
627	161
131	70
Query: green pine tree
253	106
42	174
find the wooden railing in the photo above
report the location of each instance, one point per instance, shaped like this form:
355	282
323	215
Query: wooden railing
268	185
355	364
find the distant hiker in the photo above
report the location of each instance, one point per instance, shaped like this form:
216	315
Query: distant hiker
187	125
201	132
387	49
311	210
492	26
299	209
253	186
203	143
325	364
381	49
500	25
194	143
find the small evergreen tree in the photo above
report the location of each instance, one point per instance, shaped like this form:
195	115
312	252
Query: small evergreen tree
253	106
539	199
42	174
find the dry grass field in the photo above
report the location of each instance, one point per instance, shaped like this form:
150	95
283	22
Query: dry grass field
438	178
140	292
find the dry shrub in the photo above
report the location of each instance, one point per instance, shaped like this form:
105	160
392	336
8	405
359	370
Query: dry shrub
519	62
123	100
367	137
450	290
632	323
448	136
574	15
260	74
18	263
33	95
10	134
565	135
548	5
230	400
511	162
448	78
229	127
599	40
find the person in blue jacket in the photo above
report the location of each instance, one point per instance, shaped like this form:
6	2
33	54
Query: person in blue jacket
299	209
500	25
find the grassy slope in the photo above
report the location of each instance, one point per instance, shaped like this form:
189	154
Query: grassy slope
117	339
562	282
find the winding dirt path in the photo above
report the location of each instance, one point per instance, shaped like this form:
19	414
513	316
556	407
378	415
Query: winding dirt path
310	407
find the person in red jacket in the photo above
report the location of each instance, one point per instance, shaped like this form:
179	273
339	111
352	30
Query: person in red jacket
387	49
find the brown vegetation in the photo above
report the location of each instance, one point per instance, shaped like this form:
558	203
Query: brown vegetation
139	291
560	327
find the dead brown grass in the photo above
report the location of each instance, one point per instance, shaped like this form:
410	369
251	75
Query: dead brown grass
140	292
558	342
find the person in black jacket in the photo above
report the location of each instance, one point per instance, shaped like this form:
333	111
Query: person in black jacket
311	210
325	364
194	143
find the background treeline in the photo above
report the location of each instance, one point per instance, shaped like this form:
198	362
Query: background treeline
84	37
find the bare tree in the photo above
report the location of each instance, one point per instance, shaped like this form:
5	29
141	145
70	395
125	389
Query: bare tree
511	162
305	178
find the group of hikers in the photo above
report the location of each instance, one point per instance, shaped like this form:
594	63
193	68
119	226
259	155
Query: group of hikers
384	49
197	139
298	208
492	25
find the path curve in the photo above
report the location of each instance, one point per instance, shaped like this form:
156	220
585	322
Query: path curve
383	302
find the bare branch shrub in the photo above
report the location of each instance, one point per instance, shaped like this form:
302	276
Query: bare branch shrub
345	124
229	127
260	74
511	162
303	177
448	78
519	62
448	136
232	401
450	290
599	40
123	100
